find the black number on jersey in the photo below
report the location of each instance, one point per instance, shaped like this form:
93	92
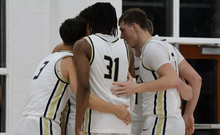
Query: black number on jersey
45	63
136	99
109	67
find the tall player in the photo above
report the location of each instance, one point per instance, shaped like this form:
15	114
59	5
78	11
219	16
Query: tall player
137	115
101	58
160	67
68	115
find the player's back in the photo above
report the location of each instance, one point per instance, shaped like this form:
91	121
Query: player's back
109	62
49	90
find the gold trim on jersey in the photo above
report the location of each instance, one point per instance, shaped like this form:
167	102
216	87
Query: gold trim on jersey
159	126
150	41
86	121
45	126
92	49
160	103
52	108
56	70
116	39
55	100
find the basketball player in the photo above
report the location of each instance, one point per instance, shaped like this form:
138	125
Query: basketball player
137	117
51	85
68	115
101	58
160	67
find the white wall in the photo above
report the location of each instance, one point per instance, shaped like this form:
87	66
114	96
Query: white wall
32	33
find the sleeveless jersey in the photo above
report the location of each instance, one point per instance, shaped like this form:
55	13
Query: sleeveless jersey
49	90
68	116
109	62
137	113
155	53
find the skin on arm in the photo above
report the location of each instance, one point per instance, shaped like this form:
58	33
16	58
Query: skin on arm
168	78
82	54
195	81
68	69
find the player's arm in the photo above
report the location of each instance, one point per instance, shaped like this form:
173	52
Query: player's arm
168	78
81	51
95	102
195	81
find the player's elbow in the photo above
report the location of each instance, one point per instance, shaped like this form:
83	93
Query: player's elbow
83	89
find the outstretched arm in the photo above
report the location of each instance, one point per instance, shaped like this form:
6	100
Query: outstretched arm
195	81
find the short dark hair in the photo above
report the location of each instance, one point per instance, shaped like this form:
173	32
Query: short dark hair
134	15
72	30
103	18
85	13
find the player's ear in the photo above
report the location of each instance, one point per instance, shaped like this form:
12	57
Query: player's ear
135	25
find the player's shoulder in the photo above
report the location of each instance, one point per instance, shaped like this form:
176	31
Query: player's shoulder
81	44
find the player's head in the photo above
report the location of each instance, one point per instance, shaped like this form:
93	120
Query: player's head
132	22
85	14
134	15
103	19
72	30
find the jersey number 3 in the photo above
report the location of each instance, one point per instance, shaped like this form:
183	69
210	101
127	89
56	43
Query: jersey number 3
45	63
109	67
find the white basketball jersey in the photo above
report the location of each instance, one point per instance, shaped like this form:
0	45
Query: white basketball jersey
68	116
161	103
109	62
49	90
137	113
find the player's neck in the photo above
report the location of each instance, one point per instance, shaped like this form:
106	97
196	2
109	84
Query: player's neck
144	36
67	48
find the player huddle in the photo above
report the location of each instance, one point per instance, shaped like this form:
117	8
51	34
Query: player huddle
97	83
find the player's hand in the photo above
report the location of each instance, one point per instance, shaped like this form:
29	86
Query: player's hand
123	114
189	123
124	88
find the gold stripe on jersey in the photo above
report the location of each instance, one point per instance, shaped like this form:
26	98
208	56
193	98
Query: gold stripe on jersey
92	49
46	126
160	103
159	126
86	121
54	101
